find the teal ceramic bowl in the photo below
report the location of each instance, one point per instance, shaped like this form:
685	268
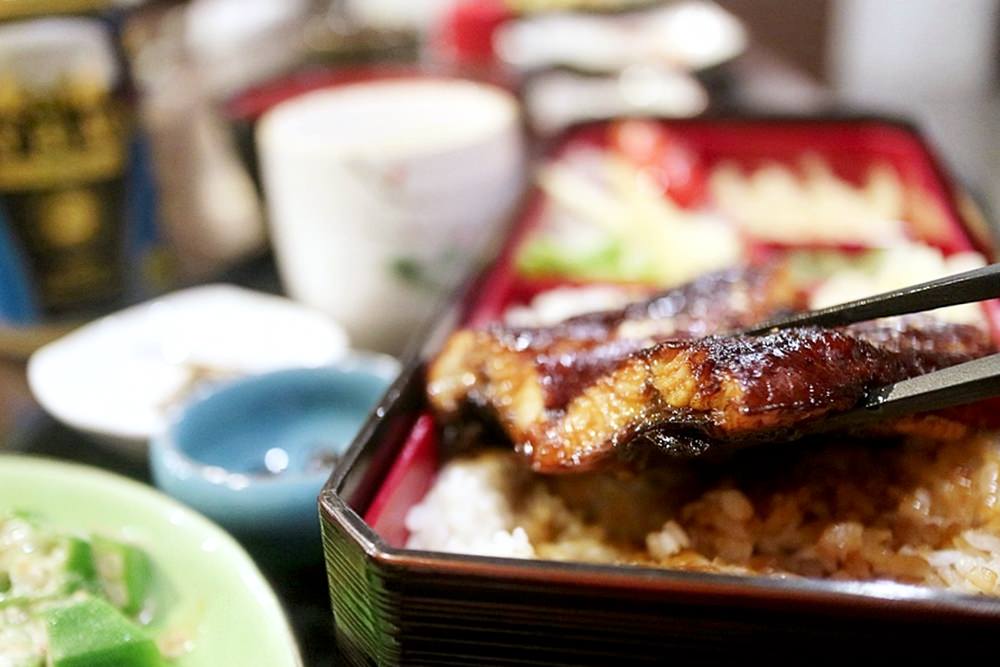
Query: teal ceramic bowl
254	454
217	596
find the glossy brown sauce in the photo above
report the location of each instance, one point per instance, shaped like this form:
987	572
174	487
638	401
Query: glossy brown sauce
660	371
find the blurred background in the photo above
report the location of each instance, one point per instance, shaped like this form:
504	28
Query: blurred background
132	123
148	146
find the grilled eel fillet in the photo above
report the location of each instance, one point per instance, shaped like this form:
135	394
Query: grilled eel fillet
572	396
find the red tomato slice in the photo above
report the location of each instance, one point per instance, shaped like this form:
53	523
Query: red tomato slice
672	162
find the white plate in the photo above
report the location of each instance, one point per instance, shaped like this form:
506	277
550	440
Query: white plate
117	378
692	35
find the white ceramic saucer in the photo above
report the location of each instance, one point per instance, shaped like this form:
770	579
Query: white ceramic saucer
119	377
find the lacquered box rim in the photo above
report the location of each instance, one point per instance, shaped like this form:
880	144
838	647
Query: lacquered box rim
818	595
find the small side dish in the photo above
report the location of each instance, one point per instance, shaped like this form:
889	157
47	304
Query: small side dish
71	599
97	570
253	454
688	36
151	357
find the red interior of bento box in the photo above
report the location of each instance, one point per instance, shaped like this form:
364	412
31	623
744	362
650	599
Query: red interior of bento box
849	147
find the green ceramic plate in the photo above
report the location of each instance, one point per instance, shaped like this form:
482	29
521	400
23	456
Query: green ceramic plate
213	591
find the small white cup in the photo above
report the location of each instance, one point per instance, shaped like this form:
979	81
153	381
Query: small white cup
378	192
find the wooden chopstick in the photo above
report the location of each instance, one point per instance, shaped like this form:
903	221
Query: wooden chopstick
961	384
956	385
967	287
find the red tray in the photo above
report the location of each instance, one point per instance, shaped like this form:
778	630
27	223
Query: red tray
394	605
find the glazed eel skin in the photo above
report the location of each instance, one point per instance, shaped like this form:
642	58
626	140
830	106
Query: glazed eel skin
573	396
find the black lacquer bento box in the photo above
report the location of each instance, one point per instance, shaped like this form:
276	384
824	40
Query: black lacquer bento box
393	605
